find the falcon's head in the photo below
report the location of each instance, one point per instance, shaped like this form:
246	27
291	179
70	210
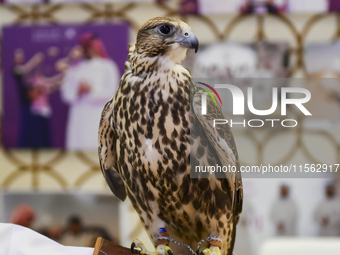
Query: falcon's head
167	37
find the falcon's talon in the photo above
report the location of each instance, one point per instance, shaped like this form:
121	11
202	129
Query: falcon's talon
168	250
138	244
162	249
206	251
133	245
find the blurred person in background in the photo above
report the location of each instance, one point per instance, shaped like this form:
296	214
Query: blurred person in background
22	215
76	235
264	6
86	87
34	89
243	241
34	127
73	58
54	232
284	214
327	213
100	231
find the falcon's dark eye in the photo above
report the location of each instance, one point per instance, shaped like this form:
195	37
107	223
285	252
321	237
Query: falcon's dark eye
165	29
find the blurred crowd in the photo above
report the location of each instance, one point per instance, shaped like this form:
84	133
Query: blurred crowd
285	213
258	6
74	233
86	79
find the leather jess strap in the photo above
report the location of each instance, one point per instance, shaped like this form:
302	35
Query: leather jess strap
104	247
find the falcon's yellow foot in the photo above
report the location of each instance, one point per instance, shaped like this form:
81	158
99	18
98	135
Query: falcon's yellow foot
213	250
138	244
160	250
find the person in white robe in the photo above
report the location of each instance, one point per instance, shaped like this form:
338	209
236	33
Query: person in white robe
284	214
243	242
327	213
86	87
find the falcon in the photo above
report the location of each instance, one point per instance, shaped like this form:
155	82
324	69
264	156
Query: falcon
152	132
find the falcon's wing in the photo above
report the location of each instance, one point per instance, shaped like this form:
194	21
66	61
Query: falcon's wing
107	153
222	140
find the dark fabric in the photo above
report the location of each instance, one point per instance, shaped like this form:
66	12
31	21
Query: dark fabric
23	90
189	7
34	129
271	8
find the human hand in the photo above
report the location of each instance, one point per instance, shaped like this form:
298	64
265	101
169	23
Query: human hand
84	88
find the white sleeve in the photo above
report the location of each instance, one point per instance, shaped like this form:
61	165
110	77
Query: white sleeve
108	85
69	86
15	240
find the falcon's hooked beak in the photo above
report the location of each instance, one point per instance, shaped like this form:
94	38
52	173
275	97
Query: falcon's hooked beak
188	40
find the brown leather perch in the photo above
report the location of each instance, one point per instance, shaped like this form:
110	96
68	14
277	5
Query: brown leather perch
104	247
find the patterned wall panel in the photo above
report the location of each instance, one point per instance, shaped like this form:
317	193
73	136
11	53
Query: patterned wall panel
62	170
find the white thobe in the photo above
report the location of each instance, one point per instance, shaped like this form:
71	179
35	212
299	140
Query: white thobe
243	242
102	75
284	211
329	210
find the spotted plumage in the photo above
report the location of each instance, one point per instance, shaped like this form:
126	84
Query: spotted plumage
152	130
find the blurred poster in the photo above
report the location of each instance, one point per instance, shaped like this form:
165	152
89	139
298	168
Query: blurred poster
100	1
206	7
219	6
252	65
323	61
334	6
247	64
240	60
23	1
264	6
308	6
188	6
76	1
57	80
72	224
